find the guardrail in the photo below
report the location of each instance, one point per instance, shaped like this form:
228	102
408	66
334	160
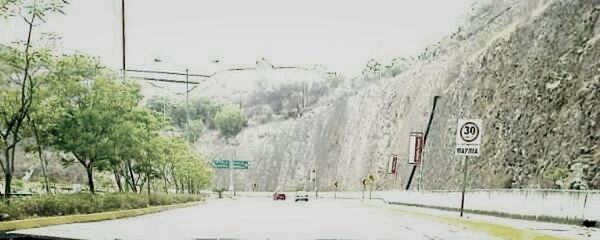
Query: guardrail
546	205
566	206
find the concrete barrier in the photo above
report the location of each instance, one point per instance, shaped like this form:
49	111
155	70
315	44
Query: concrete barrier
566	206
327	195
546	205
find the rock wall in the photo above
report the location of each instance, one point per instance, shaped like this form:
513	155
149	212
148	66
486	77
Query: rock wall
529	69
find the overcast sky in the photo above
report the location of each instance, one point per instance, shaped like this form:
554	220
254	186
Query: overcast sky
340	34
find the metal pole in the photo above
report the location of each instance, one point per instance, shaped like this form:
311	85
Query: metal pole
363	192
464	188
231	174
316	185
303	95
420	176
165	109
187	98
123	66
232	179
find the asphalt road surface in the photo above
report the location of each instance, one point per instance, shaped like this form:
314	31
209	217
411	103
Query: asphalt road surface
265	219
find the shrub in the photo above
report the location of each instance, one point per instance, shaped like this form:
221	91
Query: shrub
83	203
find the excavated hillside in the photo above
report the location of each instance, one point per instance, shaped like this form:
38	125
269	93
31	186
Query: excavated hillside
529	69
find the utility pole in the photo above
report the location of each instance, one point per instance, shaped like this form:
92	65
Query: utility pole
303	95
165	109
124	65
187	99
231	174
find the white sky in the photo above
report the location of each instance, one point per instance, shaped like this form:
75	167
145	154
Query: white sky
340	34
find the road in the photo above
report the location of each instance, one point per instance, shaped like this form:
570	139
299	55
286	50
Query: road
254	218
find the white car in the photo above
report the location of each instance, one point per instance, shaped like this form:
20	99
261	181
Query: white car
301	196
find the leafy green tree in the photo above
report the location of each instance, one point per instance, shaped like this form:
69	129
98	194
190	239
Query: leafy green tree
229	120
194	130
48	106
159	104
87	127
205	110
18	95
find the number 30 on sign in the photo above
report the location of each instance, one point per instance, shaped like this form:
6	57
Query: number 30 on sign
468	137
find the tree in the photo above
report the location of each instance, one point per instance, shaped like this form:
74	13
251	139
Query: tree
159	104
86	130
194	130
205	110
51	99
21	87
188	169
229	120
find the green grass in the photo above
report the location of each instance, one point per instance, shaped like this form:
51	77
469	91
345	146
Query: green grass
85	203
493	229
79	218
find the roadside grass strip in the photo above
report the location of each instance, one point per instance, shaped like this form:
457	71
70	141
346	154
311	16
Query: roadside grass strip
492	229
81	218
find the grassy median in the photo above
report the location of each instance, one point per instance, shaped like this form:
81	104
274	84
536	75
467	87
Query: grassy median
80	218
45	210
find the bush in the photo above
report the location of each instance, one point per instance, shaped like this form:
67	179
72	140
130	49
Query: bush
83	203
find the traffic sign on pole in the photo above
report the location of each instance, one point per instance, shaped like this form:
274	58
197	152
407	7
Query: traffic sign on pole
415	144
468	143
468	137
235	164
221	164
240	164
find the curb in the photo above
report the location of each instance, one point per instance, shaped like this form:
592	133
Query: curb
81	218
493	229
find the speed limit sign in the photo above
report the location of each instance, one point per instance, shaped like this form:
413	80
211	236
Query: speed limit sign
468	137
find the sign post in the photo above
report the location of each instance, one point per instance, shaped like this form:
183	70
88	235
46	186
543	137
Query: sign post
464	187
231	165
468	143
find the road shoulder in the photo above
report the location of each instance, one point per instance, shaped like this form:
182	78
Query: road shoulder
496	226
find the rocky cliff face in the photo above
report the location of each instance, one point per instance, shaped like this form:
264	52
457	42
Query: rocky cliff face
529	69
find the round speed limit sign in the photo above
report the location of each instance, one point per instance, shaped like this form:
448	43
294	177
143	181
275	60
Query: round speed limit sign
469	132
468	137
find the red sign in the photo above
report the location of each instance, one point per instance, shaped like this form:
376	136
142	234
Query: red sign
419	149
415	149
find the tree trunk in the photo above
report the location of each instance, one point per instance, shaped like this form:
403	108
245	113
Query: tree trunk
90	176
125	177
43	164
176	186
141	182
133	182
166	182
148	177
9	154
40	150
7	175
118	179
175	179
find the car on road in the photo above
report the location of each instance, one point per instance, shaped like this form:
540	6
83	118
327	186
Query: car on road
301	196
278	196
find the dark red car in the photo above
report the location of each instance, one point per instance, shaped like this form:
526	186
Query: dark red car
278	196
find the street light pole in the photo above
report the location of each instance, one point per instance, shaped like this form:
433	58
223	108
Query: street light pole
231	173
187	99
123	64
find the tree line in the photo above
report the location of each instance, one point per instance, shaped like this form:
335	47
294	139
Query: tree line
74	105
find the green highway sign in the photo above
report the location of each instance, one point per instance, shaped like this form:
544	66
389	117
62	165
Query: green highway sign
224	164
240	164
221	163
